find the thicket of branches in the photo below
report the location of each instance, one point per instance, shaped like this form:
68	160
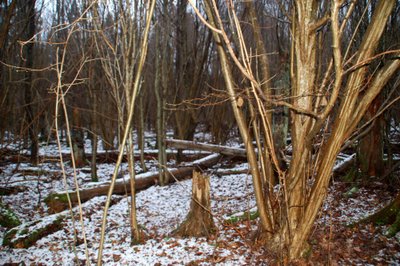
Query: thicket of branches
324	74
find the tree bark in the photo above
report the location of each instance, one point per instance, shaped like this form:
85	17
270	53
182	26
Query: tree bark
199	221
370	149
34	147
78	140
141	132
351	110
160	114
93	126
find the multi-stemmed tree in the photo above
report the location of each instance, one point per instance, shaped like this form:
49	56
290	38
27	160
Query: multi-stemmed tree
325	108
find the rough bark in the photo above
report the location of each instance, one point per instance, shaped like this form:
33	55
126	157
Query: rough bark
58	201
351	110
199	221
370	153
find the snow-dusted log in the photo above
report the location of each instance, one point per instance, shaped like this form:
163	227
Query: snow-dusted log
192	145
342	167
346	162
222	172
58	201
26	234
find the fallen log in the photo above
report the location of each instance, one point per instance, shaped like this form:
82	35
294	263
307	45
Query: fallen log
6	191
344	166
59	201
185	144
101	157
27	234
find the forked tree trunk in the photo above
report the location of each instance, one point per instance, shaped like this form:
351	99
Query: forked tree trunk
199	221
305	184
351	110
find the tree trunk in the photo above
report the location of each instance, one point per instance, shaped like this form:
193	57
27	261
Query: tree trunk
141	132
370	153
94	130
262	204
30	6
199	222
78	140
159	82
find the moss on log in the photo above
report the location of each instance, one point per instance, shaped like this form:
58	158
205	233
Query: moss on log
389	215
245	216
8	219
58	202
27	234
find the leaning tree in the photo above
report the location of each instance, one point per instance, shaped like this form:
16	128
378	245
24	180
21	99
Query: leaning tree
328	98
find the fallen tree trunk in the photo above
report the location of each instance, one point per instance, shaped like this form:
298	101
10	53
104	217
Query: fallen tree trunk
101	157
185	144
344	166
340	169
389	215
27	234
59	201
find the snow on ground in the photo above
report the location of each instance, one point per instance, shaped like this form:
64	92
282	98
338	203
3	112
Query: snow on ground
160	210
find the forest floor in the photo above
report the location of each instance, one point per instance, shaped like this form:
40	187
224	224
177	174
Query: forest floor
160	210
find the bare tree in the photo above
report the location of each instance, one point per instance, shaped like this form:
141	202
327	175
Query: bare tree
28	84
304	185
132	82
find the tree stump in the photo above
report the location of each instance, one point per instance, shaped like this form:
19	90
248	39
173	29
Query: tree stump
199	221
